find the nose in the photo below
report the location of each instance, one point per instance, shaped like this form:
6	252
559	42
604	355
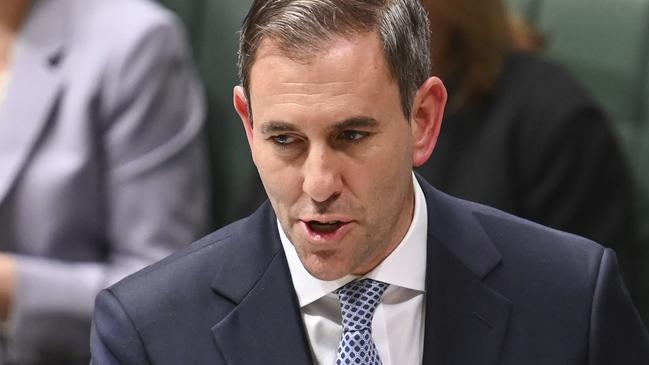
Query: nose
322	180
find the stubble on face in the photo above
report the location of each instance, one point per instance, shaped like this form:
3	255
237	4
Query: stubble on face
377	231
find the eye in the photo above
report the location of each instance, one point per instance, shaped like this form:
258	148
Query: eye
353	136
283	139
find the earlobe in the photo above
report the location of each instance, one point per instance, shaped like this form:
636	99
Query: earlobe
426	120
242	107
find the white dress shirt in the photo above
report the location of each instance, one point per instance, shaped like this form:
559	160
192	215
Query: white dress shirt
398	324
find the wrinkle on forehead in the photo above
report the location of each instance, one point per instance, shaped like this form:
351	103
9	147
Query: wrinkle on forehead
311	97
350	77
329	85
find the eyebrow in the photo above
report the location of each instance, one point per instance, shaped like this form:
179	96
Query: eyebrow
349	123
356	122
275	126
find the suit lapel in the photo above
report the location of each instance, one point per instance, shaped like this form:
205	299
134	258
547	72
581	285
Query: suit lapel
466	320
265	326
33	89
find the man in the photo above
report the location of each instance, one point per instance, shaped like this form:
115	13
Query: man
354	260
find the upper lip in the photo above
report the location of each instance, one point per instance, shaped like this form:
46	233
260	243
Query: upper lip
326	219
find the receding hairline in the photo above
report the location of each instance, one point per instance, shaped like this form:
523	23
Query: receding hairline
301	28
313	47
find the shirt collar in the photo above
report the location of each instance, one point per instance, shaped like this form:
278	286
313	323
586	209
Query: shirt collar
404	267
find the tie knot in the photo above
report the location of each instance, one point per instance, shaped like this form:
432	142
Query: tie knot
358	301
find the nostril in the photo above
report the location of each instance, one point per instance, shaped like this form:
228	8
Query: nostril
322	207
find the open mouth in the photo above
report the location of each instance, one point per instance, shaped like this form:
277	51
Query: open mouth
324	227
326	231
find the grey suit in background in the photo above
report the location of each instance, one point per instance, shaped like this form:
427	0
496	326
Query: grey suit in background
101	163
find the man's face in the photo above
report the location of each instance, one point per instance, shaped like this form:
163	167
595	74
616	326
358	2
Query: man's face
334	152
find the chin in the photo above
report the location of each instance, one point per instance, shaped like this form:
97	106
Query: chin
326	276
323	269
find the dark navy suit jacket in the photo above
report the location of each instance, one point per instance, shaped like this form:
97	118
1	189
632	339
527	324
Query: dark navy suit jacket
499	290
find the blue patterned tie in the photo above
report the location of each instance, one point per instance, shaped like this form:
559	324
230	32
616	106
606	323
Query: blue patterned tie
358	301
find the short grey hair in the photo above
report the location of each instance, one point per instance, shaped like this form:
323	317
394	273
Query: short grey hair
301	28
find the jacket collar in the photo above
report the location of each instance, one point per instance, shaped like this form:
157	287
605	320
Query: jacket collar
466	320
34	86
265	326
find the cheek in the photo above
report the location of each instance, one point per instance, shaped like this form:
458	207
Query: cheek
389	160
264	159
282	183
386	177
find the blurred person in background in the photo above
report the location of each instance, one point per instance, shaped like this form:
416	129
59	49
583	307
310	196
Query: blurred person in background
101	162
521	135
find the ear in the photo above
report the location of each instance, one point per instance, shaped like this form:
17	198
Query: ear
426	120
242	107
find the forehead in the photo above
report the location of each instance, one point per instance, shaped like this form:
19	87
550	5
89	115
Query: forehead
345	73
